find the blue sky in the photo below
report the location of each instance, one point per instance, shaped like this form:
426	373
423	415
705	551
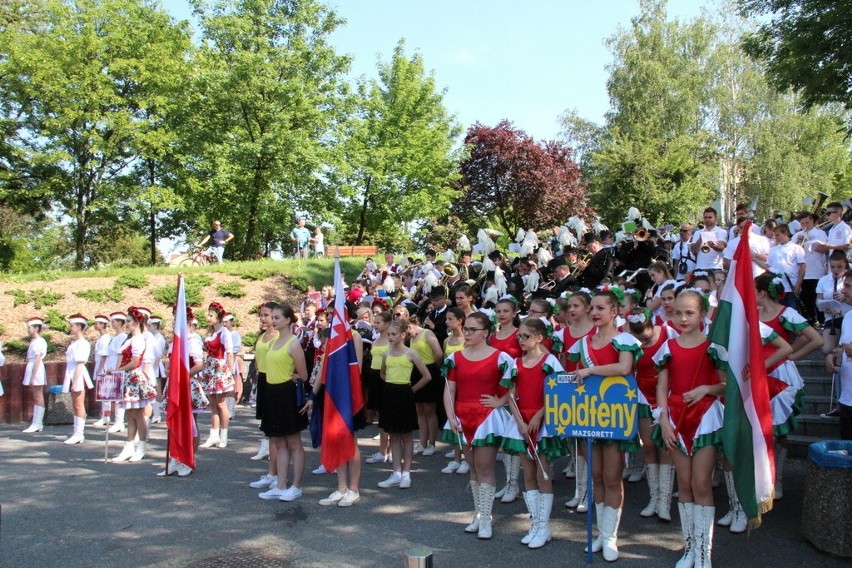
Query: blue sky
523	61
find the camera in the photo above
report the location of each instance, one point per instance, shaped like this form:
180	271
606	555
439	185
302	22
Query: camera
682	268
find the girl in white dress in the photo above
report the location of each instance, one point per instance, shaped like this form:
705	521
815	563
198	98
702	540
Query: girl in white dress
117	321
217	376
101	354
158	343
34	375
77	378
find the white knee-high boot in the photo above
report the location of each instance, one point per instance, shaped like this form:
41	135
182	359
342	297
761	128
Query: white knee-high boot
609	533
702	528
513	468
687	527
531	499
664	505
652	474
542	519
38	420
580	487
474	524
213	440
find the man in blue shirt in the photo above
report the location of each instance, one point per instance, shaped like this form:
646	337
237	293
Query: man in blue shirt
218	237
300	237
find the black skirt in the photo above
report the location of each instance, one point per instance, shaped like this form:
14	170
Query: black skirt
434	389
398	414
259	394
359	421
280	414
375	389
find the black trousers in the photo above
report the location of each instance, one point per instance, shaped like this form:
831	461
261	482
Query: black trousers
808	302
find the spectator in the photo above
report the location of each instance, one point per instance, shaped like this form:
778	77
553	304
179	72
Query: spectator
300	236
218	237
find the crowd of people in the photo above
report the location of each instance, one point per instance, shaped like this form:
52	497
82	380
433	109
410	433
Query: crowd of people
458	350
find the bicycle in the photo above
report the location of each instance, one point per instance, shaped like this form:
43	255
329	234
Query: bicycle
197	257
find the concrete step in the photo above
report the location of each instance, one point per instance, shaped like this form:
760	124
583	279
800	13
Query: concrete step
817	426
817	386
798	444
817	403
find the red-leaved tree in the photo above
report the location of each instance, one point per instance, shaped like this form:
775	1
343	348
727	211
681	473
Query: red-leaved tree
510	180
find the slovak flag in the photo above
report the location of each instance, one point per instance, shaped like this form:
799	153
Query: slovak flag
342	379
179	419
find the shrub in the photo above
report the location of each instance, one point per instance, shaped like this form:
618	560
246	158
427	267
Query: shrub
131	281
56	321
39	298
101	296
231	290
299	283
20	296
250	338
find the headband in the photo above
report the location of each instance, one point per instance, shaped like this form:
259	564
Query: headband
118	316
78	319
35	321
101	319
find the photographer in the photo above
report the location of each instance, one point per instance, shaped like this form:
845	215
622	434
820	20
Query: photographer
683	261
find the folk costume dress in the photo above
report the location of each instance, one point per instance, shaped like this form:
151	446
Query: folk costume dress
34	375
398	414
529	390
586	356
215	377
480	425
647	372
196	392
434	389
78	352
136	387
509	345
786	387
695	426
563	340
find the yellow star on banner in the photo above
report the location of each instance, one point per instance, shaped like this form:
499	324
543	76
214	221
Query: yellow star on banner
560	430
581	389
631	394
552	383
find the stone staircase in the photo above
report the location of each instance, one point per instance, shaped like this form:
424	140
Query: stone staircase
812	426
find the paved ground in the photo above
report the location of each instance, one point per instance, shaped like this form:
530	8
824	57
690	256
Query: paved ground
63	506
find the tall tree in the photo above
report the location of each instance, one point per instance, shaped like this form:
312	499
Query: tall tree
399	163
83	79
509	179
805	45
262	103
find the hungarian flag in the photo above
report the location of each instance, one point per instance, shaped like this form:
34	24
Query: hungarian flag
747	432
179	418
342	380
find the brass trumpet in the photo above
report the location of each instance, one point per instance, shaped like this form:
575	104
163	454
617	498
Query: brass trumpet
705	248
581	265
641	234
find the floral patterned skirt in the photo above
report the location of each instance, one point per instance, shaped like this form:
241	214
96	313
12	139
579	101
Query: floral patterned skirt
196	393
215	378
137	390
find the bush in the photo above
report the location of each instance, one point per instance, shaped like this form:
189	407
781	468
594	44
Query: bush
131	281
250	338
168	295
231	290
56	321
298	283
39	298
20	296
101	296
198	281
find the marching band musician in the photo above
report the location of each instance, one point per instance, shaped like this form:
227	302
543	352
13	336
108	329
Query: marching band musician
599	267
815	266
634	253
709	243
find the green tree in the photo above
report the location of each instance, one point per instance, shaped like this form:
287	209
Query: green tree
805	46
399	163
259	110
82	81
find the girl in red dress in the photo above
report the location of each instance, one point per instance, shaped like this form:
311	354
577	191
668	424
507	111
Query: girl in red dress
505	339
217	376
579	325
689	422
475	409
659	469
527	386
607	352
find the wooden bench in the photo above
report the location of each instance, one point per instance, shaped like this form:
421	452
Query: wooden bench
353	250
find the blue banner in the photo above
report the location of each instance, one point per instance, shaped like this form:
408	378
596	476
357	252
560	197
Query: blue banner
602	407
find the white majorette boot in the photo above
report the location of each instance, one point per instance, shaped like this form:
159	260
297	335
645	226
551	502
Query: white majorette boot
474	524
263	451
141	448
531	499
38	420
726	520
702	529
77	436
580	487
223	438
597	544
119	420
542	534
213	440
664	505
686	528
155	412
638	467
513	468
126	453
609	533
652	475
486	504
103	421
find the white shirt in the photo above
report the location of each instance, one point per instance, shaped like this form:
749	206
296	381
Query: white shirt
814	261
758	245
101	350
785	260
709	260
846	362
840	234
114	350
826	288
755	228
680	250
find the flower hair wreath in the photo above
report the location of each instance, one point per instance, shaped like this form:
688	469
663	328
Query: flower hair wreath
640	318
776	288
705	301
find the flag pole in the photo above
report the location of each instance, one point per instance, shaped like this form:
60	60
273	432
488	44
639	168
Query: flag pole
168	430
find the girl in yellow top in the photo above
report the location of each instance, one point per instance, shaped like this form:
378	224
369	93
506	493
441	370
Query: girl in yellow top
261	348
399	414
281	419
375	384
454	342
426	344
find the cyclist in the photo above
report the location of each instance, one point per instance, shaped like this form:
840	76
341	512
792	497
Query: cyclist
218	238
